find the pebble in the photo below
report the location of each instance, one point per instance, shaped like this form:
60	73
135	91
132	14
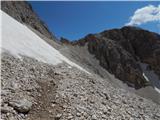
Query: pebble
78	114
58	116
94	117
70	117
6	109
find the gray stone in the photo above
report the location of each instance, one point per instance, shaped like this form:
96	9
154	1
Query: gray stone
58	116
78	114
6	109
94	117
70	117
106	96
4	92
22	106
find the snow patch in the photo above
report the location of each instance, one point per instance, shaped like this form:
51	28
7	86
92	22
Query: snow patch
145	77
158	90
20	40
149	75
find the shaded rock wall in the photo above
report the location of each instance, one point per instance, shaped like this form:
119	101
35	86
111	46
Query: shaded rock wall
120	50
140	43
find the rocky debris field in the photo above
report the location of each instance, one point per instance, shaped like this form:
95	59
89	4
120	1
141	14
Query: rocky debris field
33	90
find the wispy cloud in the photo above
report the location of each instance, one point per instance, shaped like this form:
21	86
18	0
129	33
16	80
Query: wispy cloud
146	14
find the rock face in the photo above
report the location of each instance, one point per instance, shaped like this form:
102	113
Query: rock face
140	43
23	12
120	50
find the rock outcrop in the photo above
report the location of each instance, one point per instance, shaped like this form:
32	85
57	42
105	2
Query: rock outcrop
121	50
22	11
140	43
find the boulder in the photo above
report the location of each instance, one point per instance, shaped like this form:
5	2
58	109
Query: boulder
22	105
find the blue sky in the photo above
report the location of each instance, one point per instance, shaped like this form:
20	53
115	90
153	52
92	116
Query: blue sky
74	20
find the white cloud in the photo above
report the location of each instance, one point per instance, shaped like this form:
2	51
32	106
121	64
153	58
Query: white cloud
146	14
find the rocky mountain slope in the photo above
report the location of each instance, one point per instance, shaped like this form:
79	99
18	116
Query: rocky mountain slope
22	11
120	51
142	44
33	90
39	83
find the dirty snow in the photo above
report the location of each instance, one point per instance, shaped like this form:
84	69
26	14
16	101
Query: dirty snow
149	75
19	40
